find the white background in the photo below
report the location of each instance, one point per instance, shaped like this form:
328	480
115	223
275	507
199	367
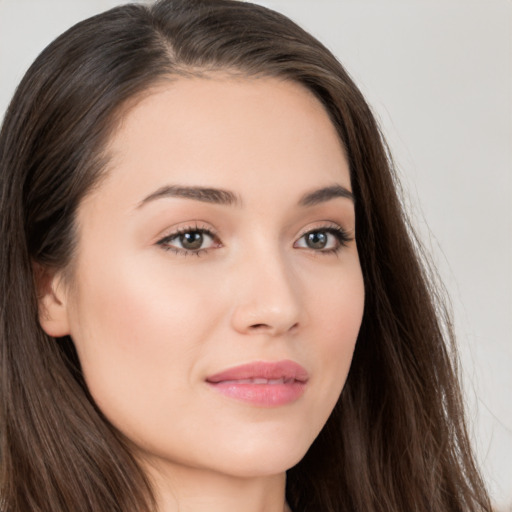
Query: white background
438	75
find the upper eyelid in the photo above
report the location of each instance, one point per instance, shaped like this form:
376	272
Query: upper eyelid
173	232
182	231
324	225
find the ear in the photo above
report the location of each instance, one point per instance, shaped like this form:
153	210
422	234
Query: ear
52	301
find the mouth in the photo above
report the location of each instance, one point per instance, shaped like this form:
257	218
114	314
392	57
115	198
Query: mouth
264	384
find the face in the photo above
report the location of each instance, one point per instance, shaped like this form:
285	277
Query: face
216	292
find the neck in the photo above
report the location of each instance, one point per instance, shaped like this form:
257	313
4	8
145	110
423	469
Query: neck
193	490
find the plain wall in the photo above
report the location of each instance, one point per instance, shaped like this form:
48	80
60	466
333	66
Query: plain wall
438	74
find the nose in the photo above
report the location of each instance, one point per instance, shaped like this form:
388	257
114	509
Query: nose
267	298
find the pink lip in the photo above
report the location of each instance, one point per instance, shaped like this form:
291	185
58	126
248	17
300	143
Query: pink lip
267	384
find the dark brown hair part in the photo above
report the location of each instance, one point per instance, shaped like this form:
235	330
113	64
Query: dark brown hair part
396	440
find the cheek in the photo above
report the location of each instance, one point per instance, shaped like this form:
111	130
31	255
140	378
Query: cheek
341	317
139	308
138	335
336	304
336	320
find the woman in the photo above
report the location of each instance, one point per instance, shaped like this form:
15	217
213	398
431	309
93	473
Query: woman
212	299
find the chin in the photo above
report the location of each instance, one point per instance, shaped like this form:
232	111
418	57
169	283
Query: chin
261	466
264	456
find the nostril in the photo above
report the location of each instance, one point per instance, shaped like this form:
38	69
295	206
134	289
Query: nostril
267	327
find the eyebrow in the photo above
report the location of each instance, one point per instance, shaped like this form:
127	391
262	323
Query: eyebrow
204	194
326	194
228	198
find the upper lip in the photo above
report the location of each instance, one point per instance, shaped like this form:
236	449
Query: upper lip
285	369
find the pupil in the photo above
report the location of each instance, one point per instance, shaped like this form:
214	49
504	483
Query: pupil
316	240
192	240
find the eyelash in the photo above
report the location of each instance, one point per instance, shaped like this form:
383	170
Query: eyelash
183	231
342	239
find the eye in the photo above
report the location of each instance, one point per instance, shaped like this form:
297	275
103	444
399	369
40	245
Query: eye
327	240
190	241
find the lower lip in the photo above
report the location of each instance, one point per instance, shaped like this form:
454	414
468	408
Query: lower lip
264	395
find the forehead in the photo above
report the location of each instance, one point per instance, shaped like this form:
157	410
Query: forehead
226	132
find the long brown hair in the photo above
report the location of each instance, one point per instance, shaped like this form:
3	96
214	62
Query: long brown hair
396	440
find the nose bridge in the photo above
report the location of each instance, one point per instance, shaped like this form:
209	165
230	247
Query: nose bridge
267	297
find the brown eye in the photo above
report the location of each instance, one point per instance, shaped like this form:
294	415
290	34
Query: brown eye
192	241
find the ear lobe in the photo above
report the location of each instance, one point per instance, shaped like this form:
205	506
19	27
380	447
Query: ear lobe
52	302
